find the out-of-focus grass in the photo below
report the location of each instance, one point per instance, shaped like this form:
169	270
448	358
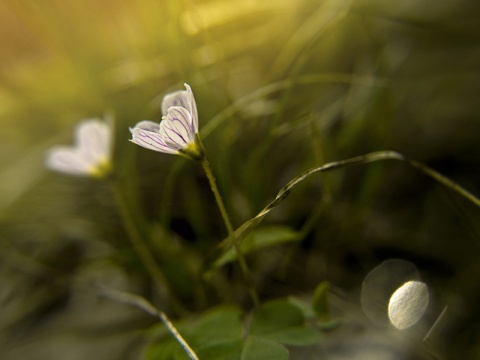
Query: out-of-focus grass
287	85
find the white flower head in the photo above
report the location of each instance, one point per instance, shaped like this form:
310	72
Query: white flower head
91	154
176	133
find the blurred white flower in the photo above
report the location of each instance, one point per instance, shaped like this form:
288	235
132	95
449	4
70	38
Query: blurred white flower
176	133
91	154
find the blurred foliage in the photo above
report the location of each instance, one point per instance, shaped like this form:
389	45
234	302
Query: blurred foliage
281	86
219	334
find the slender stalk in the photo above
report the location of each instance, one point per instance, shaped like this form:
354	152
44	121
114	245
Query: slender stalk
138	242
146	306
231	233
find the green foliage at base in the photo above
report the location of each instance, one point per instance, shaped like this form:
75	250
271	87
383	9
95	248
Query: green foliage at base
220	334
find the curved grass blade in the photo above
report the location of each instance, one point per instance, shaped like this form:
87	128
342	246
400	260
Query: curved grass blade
246	227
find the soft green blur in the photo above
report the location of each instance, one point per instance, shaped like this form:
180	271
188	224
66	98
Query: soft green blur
281	86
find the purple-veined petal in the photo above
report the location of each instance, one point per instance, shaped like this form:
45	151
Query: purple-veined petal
93	139
147	125
192	108
177	98
185	99
176	128
68	160
151	140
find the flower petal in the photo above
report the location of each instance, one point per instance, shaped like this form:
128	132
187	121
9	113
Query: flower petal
177	98
68	160
93	138
193	108
147	125
184	99
150	140
176	128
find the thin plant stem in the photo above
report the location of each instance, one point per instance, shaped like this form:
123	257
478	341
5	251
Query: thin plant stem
143	304
138	242
231	233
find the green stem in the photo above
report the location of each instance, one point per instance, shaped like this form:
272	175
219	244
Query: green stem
131	222
138	242
231	233
146	306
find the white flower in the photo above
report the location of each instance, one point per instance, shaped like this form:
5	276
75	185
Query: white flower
91	154
176	133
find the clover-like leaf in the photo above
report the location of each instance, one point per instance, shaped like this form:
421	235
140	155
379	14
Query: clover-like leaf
282	321
257	348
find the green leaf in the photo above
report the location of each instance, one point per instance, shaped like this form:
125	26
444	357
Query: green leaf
258	239
274	316
305	308
227	350
216	326
216	335
282	321
320	301
165	350
257	348
297	336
